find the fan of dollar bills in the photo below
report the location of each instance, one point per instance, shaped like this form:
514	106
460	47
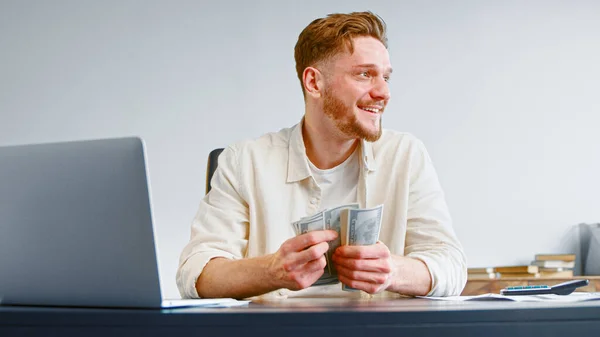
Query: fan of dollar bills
355	226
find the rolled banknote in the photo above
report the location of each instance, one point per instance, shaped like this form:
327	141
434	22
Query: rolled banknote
332	222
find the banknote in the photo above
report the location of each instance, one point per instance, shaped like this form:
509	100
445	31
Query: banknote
313	223
355	226
360	227
312	219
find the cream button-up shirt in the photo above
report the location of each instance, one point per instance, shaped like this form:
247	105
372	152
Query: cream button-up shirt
261	186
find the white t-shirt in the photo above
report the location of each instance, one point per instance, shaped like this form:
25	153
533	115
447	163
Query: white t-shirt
339	185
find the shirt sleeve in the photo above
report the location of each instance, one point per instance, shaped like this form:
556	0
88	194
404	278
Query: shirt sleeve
220	227
429	235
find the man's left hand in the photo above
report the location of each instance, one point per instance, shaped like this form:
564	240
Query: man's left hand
367	268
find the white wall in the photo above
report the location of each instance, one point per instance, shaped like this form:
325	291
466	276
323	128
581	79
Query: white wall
505	94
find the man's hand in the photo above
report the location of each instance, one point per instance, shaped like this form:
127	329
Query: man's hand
367	268
300	261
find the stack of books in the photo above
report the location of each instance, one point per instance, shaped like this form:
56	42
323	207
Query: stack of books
527	271
555	265
481	273
544	266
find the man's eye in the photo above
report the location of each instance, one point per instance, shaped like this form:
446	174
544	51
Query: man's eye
364	74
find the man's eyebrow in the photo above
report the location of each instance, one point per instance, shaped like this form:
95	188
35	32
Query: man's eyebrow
370	66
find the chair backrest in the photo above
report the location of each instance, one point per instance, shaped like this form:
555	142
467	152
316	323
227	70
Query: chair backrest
213	161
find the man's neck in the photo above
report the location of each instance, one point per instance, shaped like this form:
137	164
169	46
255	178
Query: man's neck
325	149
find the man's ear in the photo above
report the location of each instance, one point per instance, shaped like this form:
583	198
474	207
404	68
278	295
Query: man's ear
312	79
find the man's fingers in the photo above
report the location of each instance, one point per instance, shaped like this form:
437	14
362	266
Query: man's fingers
307	274
315	265
312	253
306	240
297	259
362	276
373	265
371	288
376	251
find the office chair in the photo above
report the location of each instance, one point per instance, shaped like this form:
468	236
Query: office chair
213	160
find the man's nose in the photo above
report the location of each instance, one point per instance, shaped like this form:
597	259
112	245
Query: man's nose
381	90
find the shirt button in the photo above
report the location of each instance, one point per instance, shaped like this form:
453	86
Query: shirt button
313	201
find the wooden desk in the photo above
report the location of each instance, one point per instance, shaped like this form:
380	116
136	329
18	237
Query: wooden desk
478	287
314	317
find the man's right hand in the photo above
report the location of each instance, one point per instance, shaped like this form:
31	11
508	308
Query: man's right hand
300	261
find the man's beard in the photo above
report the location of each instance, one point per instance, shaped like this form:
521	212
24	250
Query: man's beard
347	124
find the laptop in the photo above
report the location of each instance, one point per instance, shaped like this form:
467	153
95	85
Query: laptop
76	227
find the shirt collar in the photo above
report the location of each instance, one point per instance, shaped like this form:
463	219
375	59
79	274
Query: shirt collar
367	156
298	168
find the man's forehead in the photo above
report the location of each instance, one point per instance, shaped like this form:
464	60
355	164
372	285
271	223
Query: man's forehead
368	53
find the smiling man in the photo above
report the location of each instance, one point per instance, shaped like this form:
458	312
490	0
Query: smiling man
242	242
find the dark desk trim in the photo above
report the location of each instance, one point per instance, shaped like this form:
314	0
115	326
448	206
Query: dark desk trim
394	318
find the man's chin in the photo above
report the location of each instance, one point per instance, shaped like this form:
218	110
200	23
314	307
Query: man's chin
371	137
357	130
372	134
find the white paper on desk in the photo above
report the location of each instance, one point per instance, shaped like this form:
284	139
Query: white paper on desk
573	297
204	303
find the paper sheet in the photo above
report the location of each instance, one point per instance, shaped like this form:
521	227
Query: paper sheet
573	297
204	303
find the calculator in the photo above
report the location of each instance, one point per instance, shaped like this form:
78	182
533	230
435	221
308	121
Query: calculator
564	288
